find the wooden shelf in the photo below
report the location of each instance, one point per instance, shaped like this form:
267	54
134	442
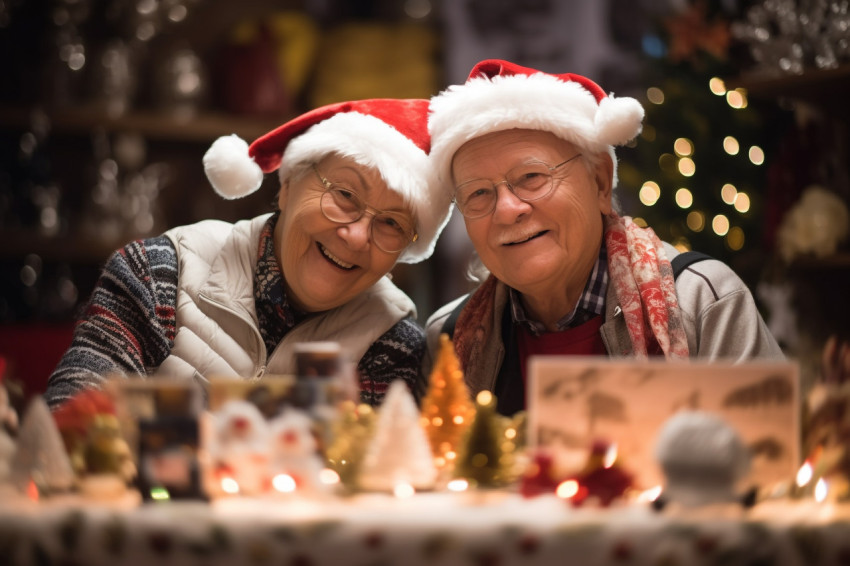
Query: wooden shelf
817	86
202	128
839	261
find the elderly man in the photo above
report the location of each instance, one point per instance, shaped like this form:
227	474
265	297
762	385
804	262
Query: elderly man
529	158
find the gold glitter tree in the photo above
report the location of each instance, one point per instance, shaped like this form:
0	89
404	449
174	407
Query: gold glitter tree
485	459
447	408
351	432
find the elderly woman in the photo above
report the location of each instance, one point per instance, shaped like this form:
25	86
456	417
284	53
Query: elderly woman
218	299
528	158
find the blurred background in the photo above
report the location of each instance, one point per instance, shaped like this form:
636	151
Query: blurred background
107	107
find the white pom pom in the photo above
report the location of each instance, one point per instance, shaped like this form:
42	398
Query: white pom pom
618	120
232	172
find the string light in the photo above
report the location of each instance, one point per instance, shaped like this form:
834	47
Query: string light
717	86
736	98
696	221
731	145
687	167
735	238
742	202
655	95
720	224
684	198
756	155
728	192
649	193
683	147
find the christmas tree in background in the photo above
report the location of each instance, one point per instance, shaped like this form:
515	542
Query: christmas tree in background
696	174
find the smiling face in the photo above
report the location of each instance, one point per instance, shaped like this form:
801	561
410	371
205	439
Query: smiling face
326	264
546	247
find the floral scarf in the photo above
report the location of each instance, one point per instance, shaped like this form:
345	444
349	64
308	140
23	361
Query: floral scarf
643	282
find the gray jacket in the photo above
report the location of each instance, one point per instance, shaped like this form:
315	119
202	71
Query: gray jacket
718	312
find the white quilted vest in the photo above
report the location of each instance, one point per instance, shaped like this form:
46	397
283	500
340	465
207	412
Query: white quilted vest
217	333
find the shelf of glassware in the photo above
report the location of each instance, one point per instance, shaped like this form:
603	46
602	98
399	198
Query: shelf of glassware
201	127
818	86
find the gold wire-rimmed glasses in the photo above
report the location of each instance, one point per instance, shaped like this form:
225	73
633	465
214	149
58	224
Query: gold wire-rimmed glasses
530	181
390	231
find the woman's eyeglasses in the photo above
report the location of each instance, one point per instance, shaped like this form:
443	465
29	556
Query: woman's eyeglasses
529	182
390	231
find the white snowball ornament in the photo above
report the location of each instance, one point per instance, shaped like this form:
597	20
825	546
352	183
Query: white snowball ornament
703	459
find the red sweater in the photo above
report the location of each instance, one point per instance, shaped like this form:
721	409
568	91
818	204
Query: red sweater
583	340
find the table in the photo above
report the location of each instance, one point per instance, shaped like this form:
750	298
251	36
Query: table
483	529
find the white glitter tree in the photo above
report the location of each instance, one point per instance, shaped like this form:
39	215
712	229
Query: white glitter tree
399	454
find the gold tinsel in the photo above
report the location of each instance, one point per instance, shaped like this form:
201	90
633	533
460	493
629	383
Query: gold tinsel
447	409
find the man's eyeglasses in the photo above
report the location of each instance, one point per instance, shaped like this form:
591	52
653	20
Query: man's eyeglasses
390	231
530	181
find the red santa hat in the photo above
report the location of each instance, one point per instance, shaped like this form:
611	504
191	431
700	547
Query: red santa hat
389	135
499	95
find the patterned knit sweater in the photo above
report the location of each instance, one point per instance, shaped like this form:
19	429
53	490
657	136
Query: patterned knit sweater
129	324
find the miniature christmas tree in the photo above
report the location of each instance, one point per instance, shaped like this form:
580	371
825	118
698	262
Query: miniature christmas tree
41	457
483	461
447	409
399	453
351	432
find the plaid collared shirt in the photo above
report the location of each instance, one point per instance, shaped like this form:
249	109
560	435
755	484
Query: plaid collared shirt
591	303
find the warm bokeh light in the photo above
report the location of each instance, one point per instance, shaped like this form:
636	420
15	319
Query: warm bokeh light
284	483
484	397
649	193
640	221
683	147
756	155
403	490
821	490
696	221
804	474
329	477
728	192
717	86
735	238
682	244
648	133
567	489
687	167
457	485
649	495
229	485
731	145
720	224
655	95
736	98
610	456
684	198
742	202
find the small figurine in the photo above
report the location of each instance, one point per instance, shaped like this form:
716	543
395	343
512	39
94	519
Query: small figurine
241	448
293	452
702	457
